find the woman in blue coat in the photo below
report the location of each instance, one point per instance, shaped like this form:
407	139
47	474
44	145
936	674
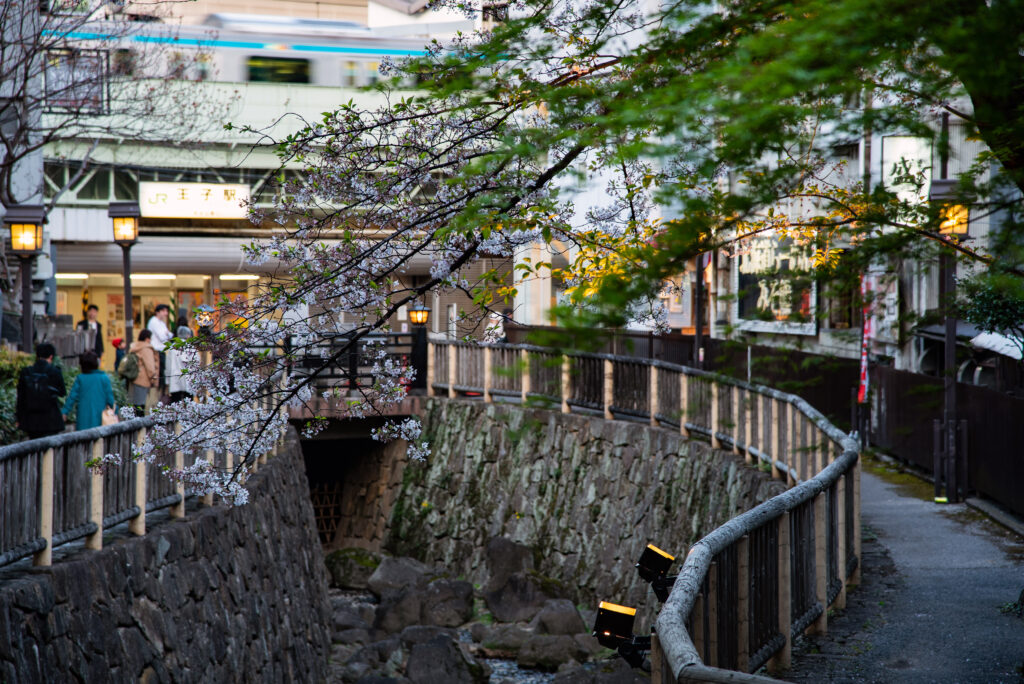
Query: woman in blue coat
91	393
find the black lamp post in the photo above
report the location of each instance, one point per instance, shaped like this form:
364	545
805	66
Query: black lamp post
955	221
419	314
26	226
125	218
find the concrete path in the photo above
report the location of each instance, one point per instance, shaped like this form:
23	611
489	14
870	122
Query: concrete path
929	607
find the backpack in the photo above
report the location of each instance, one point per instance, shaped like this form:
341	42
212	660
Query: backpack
38	390
129	366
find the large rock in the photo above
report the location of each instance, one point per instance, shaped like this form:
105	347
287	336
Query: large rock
559	616
351	568
398	610
441	661
547	652
397	574
521	596
505	558
447	603
381	658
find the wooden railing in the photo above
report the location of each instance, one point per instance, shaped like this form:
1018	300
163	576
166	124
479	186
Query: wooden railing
746	589
50	497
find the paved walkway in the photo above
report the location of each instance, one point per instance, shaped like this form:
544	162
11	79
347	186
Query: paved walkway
928	610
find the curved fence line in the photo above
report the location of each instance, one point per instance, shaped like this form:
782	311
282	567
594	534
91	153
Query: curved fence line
747	588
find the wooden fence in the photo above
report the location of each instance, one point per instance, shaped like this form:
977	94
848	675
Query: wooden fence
49	496
748	587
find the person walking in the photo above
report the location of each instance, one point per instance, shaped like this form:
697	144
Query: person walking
91	393
161	336
37	411
119	350
91	323
146	385
177	360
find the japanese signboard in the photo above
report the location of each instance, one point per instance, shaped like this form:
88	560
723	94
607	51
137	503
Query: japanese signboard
193	200
771	294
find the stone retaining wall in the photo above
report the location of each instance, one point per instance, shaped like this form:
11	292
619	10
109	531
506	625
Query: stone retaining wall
225	595
584	493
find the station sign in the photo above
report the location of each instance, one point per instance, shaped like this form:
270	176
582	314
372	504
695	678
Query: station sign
194	200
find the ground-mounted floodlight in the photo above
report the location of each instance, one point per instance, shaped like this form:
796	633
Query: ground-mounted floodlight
613	628
653	567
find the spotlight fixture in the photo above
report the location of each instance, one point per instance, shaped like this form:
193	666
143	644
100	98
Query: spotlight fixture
613	628
653	567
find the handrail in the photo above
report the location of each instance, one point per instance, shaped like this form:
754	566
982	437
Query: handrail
49	496
819	514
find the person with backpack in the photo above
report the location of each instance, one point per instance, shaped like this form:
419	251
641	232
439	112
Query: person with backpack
40	387
91	393
141	366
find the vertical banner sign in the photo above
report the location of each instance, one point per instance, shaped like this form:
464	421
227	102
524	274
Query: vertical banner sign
867	332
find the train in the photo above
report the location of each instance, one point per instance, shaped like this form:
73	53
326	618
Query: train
251	48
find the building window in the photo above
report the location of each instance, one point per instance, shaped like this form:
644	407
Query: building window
372	72
278	70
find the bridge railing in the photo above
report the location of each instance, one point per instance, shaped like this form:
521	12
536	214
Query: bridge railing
750	586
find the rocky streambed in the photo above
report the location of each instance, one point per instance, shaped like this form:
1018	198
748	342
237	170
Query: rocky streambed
398	620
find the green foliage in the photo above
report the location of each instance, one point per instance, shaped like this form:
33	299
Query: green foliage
11	364
995	303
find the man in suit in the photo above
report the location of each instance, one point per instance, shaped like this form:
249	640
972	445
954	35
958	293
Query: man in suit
39	387
90	323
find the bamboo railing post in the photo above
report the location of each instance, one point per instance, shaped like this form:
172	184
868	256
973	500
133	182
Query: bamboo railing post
734	393
855	577
791	442
657	660
609	389
430	368
820	626
684	403
44	557
95	540
748	424
783	658
566	387
488	362
713	614
776	422
652	398
840	540
453	355
178	509
208	498
743	603
715	442
137	525
524	357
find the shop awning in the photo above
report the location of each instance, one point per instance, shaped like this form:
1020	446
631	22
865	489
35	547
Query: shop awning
1000	344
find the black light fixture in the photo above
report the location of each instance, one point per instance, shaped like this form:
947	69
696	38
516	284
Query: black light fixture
419	313
26	225
613	628
653	567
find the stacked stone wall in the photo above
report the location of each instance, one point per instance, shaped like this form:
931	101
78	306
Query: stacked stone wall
584	493
225	595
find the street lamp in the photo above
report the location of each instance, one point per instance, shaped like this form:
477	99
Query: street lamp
419	313
613	627
125	219
26	225
954	224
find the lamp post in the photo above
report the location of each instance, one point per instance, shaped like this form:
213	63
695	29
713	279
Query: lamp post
26	226
419	314
125	219
954	225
